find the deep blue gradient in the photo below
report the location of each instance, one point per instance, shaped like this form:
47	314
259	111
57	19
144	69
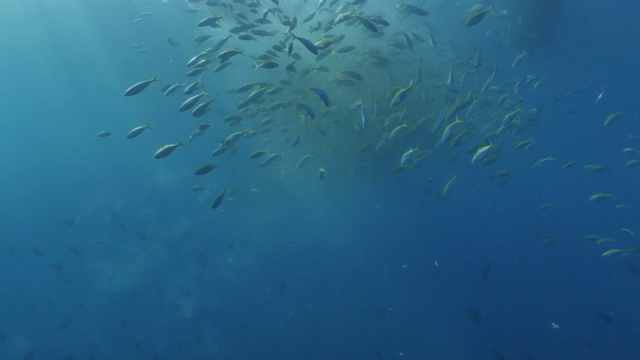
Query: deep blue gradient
106	254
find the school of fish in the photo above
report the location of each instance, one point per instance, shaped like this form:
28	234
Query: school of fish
340	79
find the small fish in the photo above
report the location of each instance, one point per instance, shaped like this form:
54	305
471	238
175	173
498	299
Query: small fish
308	44
209	22
218	199
432	41
321	173
166	150
601	197
544	207
366	23
258	153
267	65
233	138
518	58
321	94
447	186
364	118
352	74
448	131
342	17
137	131
203	108
408	156
477	17
600	95
204	169
226	55
397	131
401	95
625	230
302	161
196	71
612	251
609	120
481	153
139	87
414	10
171	89
596	168
439	121
191	88
542	161
220	150
270	159
508	119
191	102
104	133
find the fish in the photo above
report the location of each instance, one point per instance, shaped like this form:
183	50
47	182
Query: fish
192	101
220	44
599	197
104	133
267	65
447	186
352	74
233	138
226	55
612	251
204	169
481	153
171	89
202	109
408	156
191	88
448	131
542	161
140	86
342	17
364	118
612	117
217	200
600	95
306	43
209	22
432	40
196	71
396	131
320	174
518	58
366	23
596	168
137	131
302	161
508	119
413	10
167	150
257	154
544	207
321	94
220	150
476	17
401	95
270	159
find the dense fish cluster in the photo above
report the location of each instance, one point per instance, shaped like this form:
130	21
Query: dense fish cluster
340	79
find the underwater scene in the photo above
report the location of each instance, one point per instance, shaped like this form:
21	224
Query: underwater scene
320	179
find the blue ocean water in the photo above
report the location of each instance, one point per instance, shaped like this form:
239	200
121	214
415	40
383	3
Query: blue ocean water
107	254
